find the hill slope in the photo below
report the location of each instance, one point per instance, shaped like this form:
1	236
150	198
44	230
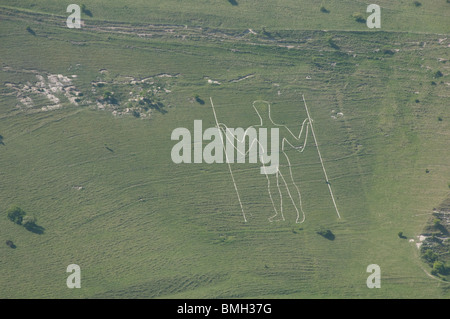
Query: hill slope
92	163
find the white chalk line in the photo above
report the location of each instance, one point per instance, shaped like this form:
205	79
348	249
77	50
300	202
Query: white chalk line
320	157
229	166
225	129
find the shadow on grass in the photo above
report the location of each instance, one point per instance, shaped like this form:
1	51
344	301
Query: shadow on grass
233	2
442	229
87	12
199	100
326	234
35	228
159	107
31	31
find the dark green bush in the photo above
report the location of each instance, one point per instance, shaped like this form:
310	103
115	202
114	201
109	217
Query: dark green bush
31	31
199	100
85	10
359	17
439	267
9	243
326	233
333	44
430	256
16	214
29	223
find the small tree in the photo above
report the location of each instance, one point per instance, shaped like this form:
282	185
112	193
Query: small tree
9	243
324	10
400	234
85	10
29	222
333	44
16	214
31	31
199	99
109	97
359	17
429	256
439	267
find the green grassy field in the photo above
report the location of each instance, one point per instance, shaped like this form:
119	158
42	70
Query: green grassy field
110	199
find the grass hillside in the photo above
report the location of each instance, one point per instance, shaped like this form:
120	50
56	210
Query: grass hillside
86	117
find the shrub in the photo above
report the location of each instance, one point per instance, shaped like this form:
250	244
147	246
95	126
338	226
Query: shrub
439	119
199	100
438	74
324	10
333	44
389	52
30	30
85	10
430	256
359	17
417	3
109	97
16	214
9	243
400	234
439	267
266	33
136	114
29	222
